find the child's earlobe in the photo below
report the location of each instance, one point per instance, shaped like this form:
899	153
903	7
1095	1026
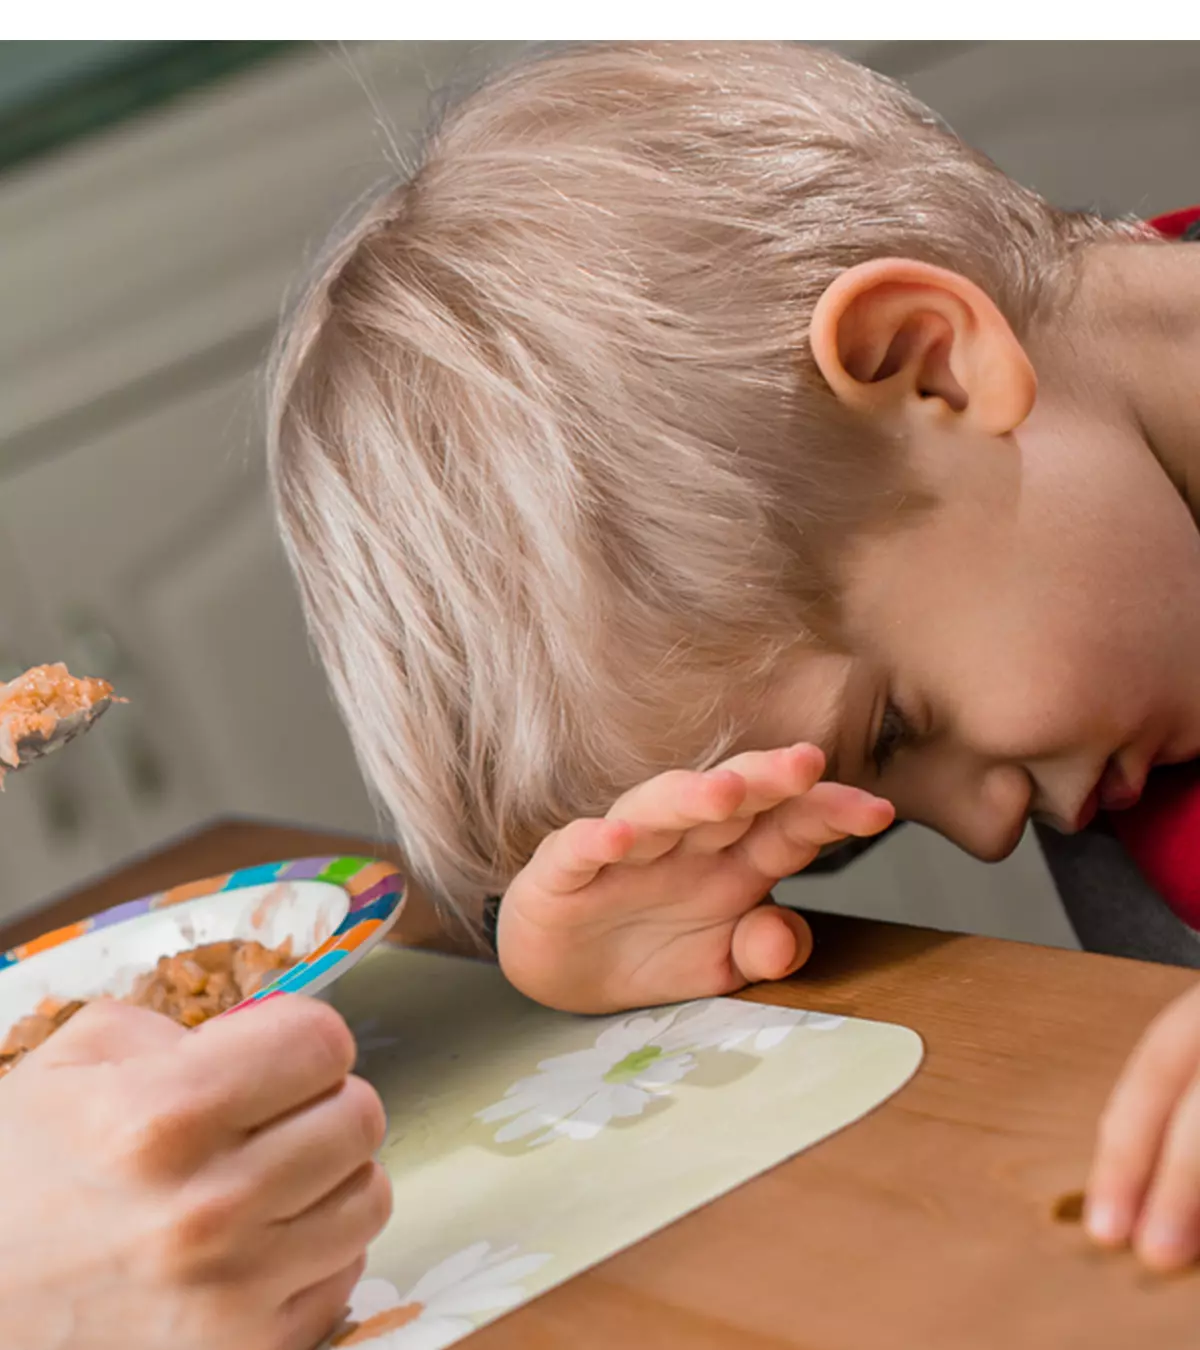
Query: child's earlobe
906	341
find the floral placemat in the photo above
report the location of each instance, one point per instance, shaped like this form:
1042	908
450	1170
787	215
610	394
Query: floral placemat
526	1145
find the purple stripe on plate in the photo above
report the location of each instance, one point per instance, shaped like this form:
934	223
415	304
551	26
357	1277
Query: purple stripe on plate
119	913
383	887
305	869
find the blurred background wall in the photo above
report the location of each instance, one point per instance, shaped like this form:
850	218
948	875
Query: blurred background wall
157	200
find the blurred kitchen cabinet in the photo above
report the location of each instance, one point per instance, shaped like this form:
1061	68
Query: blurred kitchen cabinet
56	823
141	275
1112	126
156	565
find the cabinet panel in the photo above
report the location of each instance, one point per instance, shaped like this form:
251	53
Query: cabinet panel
58	818
156	564
1109	125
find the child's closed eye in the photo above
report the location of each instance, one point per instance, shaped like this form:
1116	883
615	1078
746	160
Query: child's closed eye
895	732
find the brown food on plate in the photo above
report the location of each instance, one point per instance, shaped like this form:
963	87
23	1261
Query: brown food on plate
189	988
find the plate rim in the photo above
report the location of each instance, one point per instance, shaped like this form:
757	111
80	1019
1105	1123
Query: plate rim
376	890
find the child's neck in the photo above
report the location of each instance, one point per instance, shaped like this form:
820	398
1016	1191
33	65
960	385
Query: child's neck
1143	305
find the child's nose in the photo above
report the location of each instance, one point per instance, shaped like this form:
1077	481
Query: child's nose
989	820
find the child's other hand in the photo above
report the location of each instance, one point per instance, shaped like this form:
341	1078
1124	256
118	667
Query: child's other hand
166	1188
662	899
1145	1182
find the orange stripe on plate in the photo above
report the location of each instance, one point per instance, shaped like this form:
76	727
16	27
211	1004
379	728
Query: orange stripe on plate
48	940
368	877
357	935
193	890
330	944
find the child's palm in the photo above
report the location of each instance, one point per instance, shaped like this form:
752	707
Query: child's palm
661	900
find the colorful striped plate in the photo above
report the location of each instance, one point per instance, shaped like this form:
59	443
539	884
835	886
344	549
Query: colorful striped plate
334	910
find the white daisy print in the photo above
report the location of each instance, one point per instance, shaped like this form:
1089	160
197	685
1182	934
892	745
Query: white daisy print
731	1024
634	1062
447	1303
574	1096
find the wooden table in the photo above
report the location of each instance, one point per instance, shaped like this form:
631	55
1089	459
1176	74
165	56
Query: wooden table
927	1226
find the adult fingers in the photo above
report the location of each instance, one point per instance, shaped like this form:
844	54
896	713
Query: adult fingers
291	1164
308	1317
332	1233
107	1031
228	1078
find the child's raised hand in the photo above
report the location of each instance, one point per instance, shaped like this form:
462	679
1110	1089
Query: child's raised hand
187	1189
1145	1182
662	899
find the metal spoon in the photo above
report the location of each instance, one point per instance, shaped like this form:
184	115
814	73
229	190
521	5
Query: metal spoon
37	745
22	741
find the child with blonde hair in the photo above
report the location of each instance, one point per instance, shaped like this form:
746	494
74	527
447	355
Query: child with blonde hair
704	457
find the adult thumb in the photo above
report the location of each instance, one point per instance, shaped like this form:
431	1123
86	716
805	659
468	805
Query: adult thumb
107	1031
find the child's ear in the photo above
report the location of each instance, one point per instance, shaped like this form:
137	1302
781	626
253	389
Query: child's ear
907	341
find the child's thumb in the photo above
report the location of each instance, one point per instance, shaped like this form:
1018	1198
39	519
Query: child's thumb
770	943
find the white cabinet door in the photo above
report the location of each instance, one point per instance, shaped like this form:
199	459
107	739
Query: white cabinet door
1113	126
57	821
156	564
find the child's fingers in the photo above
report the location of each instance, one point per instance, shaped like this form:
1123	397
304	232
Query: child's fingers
709	809
1135	1120
769	943
572	857
771	777
664	809
679	799
1168	1233
787	839
667	807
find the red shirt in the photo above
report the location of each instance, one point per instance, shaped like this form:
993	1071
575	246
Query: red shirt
1162	833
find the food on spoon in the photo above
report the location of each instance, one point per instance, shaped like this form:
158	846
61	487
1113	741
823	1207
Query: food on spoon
44	709
190	988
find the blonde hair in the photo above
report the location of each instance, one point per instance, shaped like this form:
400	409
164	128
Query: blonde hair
556	472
